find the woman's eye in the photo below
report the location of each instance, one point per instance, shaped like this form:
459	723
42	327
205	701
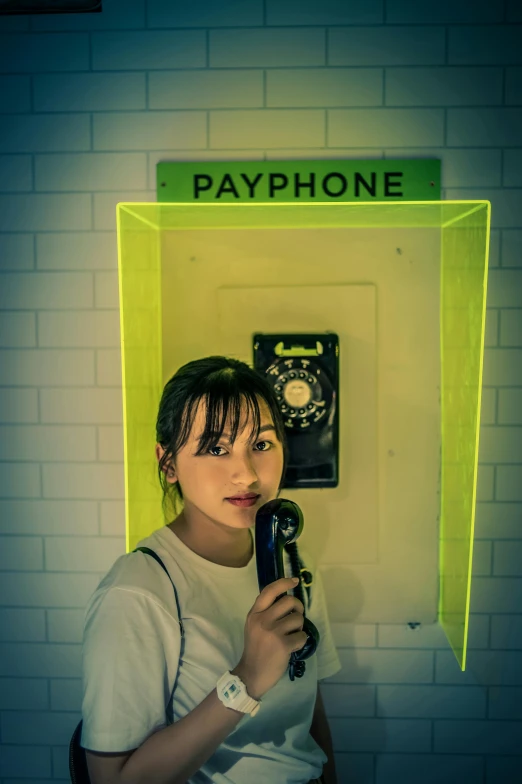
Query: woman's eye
215	447
257	450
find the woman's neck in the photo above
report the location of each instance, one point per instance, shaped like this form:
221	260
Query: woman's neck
233	547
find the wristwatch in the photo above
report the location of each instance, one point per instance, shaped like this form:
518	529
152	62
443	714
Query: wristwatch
233	694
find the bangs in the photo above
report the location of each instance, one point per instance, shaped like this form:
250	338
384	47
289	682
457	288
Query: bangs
223	397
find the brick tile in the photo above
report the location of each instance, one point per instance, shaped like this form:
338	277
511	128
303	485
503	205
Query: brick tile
65	626
380	735
31	762
266	48
89	92
428	768
77	250
110	443
502	770
510	408
66	695
83	481
513	86
496	594
327	12
18	405
47	443
483	668
484	127
506	630
308	87
431	702
16	252
111	18
87	329
511	327
484	45
509	483
149	131
45	728
71	518
442	11
106	291
16	94
502	367
148	50
47	367
20	625
44	589
449	86
43	290
90	172
81	406
498	520
204	13
505	703
341	700
108	368
409	45
30	53
17	330
21	553
112	518
379	127
477	737
206	89
82	554
386	666
501	444
19	480
512	248
45	212
266	128
16	173
24	693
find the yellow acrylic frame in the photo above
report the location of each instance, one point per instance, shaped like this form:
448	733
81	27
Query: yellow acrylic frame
465	229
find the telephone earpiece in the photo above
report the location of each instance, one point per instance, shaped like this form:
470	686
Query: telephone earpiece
278	523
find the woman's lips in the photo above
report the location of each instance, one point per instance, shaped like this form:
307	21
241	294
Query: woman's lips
244	502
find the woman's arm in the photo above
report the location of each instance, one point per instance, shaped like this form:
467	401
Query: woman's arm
320	732
173	754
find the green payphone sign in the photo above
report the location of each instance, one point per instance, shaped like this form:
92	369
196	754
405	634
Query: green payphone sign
298	181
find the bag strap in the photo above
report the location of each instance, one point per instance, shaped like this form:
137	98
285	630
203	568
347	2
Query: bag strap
148	551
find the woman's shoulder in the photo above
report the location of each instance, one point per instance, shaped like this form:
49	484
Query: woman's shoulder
137	573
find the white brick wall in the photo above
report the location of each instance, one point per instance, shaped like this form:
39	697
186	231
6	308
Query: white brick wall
88	105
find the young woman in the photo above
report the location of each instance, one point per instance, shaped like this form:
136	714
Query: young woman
157	703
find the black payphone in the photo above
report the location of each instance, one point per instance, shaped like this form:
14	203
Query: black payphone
303	370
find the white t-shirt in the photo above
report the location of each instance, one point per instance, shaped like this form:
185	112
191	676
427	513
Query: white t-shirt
139	675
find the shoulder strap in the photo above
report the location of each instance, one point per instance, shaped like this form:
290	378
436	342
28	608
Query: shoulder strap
156	557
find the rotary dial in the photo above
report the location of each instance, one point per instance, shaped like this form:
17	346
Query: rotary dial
303	391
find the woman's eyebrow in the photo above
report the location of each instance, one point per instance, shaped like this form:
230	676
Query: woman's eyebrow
261	430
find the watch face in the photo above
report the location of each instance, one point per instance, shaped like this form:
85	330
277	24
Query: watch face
230	690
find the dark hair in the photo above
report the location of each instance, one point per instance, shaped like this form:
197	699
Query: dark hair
225	383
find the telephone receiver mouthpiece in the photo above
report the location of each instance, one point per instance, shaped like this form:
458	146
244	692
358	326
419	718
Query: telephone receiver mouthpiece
280	522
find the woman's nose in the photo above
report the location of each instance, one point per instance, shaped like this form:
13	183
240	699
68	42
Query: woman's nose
244	467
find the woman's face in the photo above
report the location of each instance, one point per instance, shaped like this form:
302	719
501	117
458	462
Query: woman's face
227	470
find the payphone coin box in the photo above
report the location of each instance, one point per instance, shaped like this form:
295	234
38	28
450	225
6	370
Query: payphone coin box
399	290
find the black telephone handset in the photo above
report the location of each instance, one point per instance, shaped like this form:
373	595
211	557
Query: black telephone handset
280	522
